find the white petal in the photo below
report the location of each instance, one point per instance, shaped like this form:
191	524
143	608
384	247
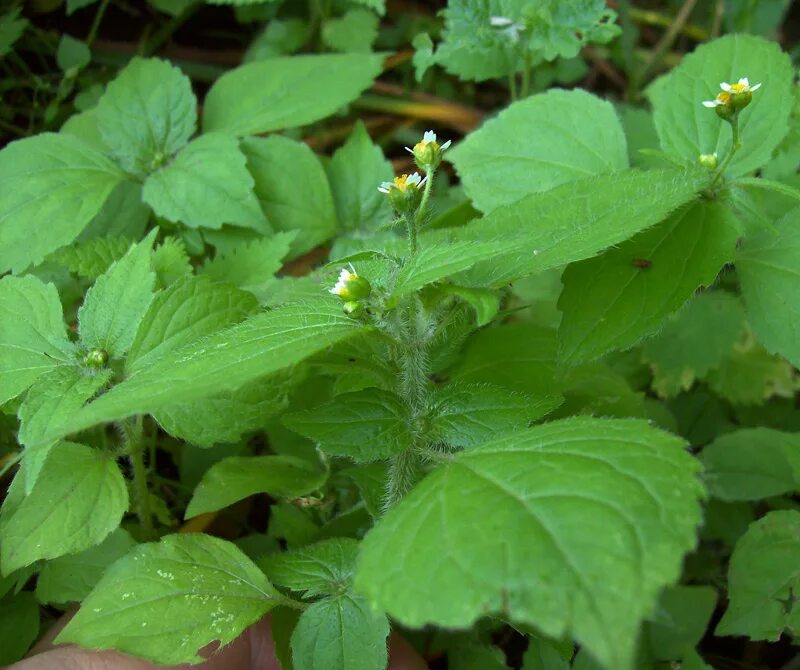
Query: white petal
710	103
413	179
725	87
756	87
446	144
409	150
429	136
500	21
744	81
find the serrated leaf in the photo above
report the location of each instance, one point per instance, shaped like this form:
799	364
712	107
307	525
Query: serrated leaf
592	518
286	92
19	626
355	170
123	214
116	303
485	302
147	114
767	266
188	310
340	633
238	477
292	188
367	425
687	129
612	301
464	415
324	568
93	257
680	621
51	400
166	600
576	135
224	361
250	265
79	498
573	221
71	578
694	341
206	186
353	32
763	581
33	337
170	262
52	187
752	463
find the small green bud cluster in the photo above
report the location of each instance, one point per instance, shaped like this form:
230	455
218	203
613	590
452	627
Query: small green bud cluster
708	160
353	290
95	358
733	98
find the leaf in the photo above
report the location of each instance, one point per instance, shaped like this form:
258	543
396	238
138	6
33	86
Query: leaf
485	302
72	53
582	522
206	186
93	257
52	399
763	581
542	655
340	633
79	498
576	135
573	221
694	341
355	171
185	312
286	92
164	601
170	262
279	38
752	463
118	300
687	129
466	415
52	187
612	301
767	266
70	578
680	621
19	626
322	569
147	114
11	28
33	337
224	361
238	477
250	265
293	190
353	32
367	425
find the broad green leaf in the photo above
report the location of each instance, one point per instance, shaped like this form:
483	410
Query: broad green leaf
171	262
542	655
116	303
147	114
19	626
752	463
340	633
322	569
367	425
355	171
291	185
680	621
353	32
612	301
72	53
280	37
227	415
250	265
224	361
471	654
573	221
238	477
206	186
538	143
92	258
71	578
287	92
687	129
52	187
79	498
582	522
11	28
50	401
763	580
164	601
186	311
464	415
485	302
370	478
768	266
33	337
123	214
694	341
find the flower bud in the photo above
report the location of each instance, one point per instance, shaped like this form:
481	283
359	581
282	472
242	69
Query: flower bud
350	287
353	308
427	152
95	358
404	192
708	160
734	97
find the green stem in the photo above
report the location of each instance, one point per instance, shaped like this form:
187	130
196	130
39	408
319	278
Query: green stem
512	85
526	74
98	18
10	463
141	492
411	229
426	195
168	29
736	144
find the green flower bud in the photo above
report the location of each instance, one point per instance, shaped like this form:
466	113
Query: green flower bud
708	160
350	287
353	308
95	358
741	100
427	152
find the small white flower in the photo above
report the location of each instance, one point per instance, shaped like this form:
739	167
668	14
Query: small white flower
402	182
345	276
742	86
507	26
429	137
716	102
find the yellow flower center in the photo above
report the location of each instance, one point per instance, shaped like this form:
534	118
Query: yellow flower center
724	97
738	88
401	182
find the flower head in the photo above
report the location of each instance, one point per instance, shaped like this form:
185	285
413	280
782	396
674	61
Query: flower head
428	152
404	193
742	86
402	183
732	98
350	287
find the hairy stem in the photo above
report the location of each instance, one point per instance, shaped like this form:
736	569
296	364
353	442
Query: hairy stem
135	448
736	144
